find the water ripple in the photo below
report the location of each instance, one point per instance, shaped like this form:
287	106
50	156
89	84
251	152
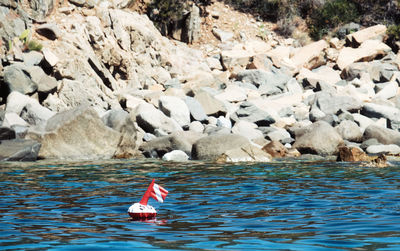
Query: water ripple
274	206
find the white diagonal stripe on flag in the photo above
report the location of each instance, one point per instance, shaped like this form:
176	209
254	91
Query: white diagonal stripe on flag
158	193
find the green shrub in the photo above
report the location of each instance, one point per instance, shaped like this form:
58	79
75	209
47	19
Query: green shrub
332	14
33	45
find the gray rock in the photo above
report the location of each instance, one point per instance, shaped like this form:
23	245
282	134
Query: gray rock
211	147
44	82
10	24
77	134
196	109
249	112
385	149
19	150
32	58
383	135
74	93
176	155
388	91
267	82
247	129
28	108
176	109
49	30
362	121
223	36
7	133
378	71
17	79
347	29
331	119
41	8
331	104
316	114
369	142
183	141
350	131
120	121
278	135
379	111
148	137
210	104
35	114
149	118
319	138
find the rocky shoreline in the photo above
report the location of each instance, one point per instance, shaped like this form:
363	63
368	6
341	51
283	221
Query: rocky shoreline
107	84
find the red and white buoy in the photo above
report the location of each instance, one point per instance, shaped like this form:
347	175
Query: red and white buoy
142	211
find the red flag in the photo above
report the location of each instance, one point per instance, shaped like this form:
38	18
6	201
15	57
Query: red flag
156	192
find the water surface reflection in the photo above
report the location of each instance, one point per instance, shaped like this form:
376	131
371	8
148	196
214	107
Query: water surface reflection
285	205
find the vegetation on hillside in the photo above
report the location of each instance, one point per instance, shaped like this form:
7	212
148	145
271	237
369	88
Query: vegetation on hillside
321	16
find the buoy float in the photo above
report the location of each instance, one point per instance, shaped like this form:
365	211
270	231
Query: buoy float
142	211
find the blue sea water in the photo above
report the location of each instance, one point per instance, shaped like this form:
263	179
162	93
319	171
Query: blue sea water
289	205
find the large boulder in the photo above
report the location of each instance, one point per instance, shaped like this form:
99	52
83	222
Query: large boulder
176	109
121	121
149	118
17	79
235	59
311	55
368	51
196	109
350	131
19	150
77	134
250	113
373	32
210	104
383	135
319	138
330	103
183	141
213	146
247	129
382	111
268	83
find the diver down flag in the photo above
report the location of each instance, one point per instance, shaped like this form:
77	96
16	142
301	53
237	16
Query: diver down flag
156	192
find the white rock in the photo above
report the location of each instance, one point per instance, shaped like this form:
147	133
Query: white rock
175	155
196	126
176	109
12	119
224	122
50	57
377	149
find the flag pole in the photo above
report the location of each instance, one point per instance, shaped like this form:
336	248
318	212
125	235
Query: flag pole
147	194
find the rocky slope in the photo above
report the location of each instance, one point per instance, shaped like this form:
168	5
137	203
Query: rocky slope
107	84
